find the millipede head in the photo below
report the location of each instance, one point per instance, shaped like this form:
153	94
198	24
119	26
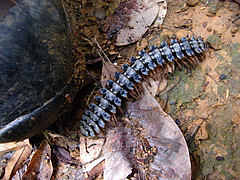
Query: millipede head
203	45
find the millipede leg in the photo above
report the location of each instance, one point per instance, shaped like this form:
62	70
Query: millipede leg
184	63
120	110
133	95
171	64
113	121
145	79
202	56
195	60
178	64
139	89
160	73
169	68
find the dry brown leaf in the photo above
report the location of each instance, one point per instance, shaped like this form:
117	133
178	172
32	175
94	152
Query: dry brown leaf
172	160
12	146
118	164
116	161
40	166
18	158
108	70
132	19
162	11
90	150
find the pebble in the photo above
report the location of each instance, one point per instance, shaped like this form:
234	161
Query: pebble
220	158
234	30
222	77
181	6
215	41
209	28
192	2
112	47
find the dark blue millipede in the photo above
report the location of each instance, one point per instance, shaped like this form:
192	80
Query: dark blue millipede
126	83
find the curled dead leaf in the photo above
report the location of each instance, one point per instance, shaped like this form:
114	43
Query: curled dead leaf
132	19
22	152
40	166
172	159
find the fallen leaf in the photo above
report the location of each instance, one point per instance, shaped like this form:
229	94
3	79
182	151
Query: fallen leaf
116	161
108	70
162	11
118	164
18	158
90	150
132	19
12	146
172	160
40	166
64	155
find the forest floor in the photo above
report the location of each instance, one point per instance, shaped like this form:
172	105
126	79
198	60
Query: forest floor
204	102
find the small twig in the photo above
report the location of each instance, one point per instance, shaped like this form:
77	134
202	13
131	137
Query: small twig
236	19
14	1
93	78
100	48
88	100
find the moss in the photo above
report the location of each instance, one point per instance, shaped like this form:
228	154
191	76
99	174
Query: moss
221	138
235	55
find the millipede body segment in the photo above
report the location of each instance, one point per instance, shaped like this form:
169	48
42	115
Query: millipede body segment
126	83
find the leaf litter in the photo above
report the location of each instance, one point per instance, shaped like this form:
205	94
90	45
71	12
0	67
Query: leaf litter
132	19
22	152
40	166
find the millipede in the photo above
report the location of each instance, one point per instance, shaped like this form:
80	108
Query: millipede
127	83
